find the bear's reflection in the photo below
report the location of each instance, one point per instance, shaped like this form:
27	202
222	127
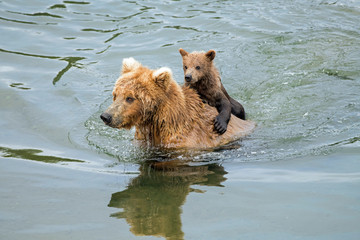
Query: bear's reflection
152	202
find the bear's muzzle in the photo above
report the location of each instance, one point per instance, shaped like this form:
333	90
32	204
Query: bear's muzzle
188	77
106	117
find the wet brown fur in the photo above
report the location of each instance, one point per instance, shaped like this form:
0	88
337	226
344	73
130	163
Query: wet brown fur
164	113
202	75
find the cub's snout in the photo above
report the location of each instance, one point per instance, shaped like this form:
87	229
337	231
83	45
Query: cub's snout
188	78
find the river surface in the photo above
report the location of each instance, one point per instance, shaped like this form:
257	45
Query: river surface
294	65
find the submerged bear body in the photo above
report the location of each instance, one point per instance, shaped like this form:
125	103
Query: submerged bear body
164	113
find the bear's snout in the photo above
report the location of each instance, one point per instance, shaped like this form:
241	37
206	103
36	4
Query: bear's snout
106	117
188	77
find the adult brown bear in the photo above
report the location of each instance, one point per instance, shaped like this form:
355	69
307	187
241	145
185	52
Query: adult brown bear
164	113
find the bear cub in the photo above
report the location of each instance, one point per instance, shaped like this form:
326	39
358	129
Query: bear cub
202	75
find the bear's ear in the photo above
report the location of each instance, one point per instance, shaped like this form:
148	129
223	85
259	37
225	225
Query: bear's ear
162	77
183	52
129	64
210	55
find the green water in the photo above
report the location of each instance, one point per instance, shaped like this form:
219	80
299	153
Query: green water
294	65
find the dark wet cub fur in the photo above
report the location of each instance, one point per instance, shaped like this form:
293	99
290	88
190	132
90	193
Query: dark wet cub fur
201	75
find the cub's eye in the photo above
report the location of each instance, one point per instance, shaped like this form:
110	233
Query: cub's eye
197	67
129	99
185	67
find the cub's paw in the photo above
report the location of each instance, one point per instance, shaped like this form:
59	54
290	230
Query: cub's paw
220	125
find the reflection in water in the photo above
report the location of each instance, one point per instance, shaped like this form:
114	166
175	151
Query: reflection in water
152	202
32	154
76	2
39	14
19	86
16	21
72	62
57	6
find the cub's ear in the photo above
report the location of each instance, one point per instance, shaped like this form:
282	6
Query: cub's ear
162	77
183	52
210	55
129	64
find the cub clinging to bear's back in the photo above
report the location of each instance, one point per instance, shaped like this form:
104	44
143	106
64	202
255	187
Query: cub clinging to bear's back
202	75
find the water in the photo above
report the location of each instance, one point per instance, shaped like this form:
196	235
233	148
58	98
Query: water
295	66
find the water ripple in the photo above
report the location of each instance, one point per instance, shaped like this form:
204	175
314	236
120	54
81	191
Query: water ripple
39	14
292	176
294	66
71	62
17	21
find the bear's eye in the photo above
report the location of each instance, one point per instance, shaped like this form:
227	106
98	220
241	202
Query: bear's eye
197	67
129	99
185	67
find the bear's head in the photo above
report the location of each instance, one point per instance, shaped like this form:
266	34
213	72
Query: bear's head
137	94
196	65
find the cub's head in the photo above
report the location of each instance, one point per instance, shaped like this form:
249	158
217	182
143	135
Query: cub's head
138	92
196	64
